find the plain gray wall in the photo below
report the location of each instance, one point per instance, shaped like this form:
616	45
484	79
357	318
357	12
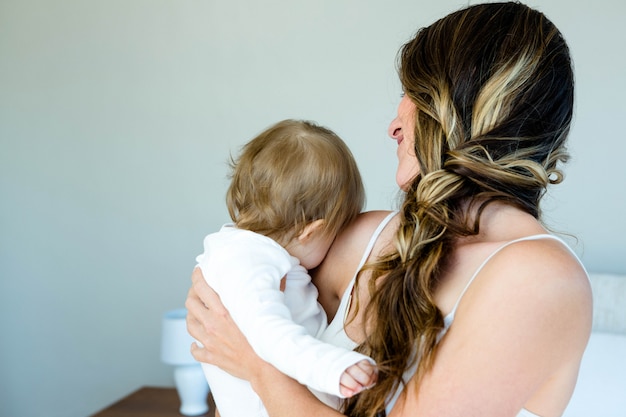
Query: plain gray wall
116	121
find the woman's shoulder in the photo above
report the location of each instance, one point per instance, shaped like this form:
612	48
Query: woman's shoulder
522	251
539	281
370	219
521	327
538	260
342	260
358	233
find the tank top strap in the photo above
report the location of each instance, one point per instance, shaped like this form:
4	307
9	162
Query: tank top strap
372	241
344	305
450	317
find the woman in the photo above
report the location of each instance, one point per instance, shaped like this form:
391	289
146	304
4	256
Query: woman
465	278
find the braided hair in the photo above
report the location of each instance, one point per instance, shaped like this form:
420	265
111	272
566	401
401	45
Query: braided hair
493	90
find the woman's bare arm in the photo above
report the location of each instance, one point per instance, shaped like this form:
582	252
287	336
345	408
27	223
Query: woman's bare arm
516	341
283	396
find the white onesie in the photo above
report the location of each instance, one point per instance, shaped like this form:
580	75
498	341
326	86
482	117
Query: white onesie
245	269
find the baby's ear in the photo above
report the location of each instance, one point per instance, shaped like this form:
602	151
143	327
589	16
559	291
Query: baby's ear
311	230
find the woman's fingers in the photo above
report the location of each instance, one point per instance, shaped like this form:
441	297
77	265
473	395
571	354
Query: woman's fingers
199	353
205	293
197	313
220	342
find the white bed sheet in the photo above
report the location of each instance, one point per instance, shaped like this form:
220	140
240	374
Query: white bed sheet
601	387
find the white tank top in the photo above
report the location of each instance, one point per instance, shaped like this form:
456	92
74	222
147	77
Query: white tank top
336	334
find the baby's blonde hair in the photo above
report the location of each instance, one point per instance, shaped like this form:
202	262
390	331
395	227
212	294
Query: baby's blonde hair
291	174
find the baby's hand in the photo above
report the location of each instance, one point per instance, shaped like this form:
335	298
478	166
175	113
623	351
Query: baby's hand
357	378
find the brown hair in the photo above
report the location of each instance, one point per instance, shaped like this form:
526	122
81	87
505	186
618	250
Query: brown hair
291	174
493	88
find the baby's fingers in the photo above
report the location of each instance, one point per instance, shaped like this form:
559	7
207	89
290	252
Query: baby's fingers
357	378
348	386
364	372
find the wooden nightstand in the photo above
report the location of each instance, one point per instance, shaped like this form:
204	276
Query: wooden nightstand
150	402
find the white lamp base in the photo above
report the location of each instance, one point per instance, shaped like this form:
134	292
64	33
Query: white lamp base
192	389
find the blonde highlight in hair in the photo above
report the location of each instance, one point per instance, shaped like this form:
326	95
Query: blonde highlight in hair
493	89
291	174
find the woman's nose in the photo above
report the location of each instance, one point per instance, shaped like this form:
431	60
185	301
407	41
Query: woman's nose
394	130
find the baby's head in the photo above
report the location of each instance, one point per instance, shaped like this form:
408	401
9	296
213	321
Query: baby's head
291	175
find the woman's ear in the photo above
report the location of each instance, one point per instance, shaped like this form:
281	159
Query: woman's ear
311	229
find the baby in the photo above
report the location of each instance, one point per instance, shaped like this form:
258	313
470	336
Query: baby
292	189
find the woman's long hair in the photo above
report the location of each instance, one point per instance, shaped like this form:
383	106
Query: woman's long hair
493	89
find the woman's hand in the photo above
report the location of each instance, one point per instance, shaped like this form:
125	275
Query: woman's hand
225	346
222	343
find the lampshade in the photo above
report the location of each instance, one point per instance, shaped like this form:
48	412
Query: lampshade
175	341
191	384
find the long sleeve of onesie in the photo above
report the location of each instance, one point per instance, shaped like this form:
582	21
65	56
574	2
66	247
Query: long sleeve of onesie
245	269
